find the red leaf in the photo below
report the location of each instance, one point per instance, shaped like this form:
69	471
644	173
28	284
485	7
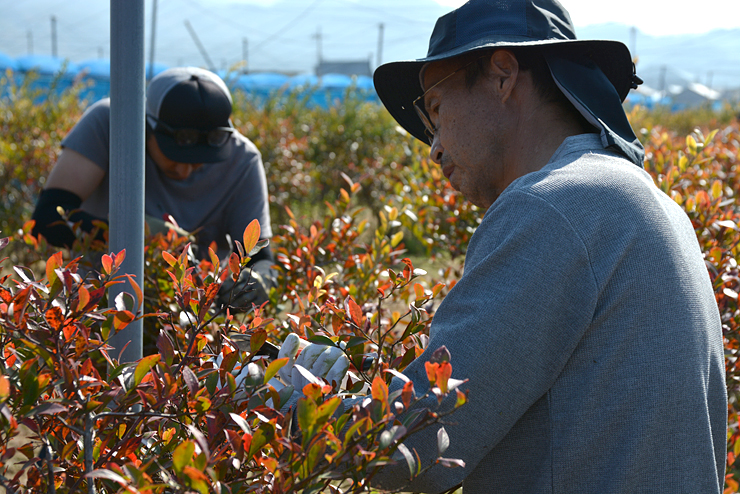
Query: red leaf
354	311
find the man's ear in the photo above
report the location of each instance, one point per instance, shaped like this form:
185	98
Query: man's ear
504	71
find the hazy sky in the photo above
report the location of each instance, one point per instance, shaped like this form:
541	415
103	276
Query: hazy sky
655	17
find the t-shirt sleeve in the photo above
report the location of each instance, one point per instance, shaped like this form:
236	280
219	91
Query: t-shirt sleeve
91	135
510	324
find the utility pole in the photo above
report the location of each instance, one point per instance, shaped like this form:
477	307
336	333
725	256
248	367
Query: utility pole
29	39
202	49
710	75
661	79
150	72
381	27
633	41
245	56
53	36
317	37
100	52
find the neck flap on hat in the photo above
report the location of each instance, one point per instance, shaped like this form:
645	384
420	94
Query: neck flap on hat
589	90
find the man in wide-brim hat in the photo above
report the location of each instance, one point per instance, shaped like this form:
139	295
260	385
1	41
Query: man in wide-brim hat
585	321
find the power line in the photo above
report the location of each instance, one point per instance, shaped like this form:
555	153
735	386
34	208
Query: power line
289	24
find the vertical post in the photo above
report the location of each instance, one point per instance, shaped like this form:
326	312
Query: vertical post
633	41
29	39
381	27
53	36
245	55
150	72
127	150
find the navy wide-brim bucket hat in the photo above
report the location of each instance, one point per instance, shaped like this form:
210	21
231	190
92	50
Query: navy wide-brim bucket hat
595	75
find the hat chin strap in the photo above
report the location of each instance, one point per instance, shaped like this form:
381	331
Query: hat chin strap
594	96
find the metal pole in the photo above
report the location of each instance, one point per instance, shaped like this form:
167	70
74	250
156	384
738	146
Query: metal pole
245	55
150	72
127	148
381	27
200	46
53	36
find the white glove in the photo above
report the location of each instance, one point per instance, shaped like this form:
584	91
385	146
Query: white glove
241	373
327	362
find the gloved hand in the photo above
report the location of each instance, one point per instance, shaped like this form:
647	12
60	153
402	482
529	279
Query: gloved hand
157	225
252	287
327	362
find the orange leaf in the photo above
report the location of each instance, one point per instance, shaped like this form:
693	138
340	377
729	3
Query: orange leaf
354	311
136	287
407	394
107	262
83	297
53	263
169	258
119	258
419	291
54	318
122	319
380	390
444	371
251	235
234	266
431	369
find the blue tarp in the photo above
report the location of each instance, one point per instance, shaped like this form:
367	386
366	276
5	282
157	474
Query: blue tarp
7	62
45	64
95	74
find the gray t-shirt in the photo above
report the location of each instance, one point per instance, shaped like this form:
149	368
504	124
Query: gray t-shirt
216	199
587	326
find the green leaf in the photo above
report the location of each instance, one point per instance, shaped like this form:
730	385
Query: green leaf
259	439
306	414
274	366
183	455
410	461
256	339
321	340
144	366
355	341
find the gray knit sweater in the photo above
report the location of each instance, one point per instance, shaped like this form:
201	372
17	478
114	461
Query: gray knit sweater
588	329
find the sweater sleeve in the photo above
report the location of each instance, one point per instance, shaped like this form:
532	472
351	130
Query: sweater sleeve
510	324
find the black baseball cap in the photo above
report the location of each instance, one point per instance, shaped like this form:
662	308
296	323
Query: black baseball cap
595	75
188	109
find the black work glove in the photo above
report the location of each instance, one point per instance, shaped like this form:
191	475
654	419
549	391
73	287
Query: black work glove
252	287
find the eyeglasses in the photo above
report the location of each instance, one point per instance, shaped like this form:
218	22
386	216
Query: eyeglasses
429	129
191	137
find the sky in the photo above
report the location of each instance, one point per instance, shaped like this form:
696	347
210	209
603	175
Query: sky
653	17
291	35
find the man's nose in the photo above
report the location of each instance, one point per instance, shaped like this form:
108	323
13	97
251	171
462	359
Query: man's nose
436	151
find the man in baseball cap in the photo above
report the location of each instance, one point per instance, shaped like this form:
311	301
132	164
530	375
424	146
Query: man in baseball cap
200	171
585	322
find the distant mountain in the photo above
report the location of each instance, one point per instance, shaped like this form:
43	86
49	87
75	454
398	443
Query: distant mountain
711	58
289	35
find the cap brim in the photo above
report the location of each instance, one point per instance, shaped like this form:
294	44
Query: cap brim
397	83
201	153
